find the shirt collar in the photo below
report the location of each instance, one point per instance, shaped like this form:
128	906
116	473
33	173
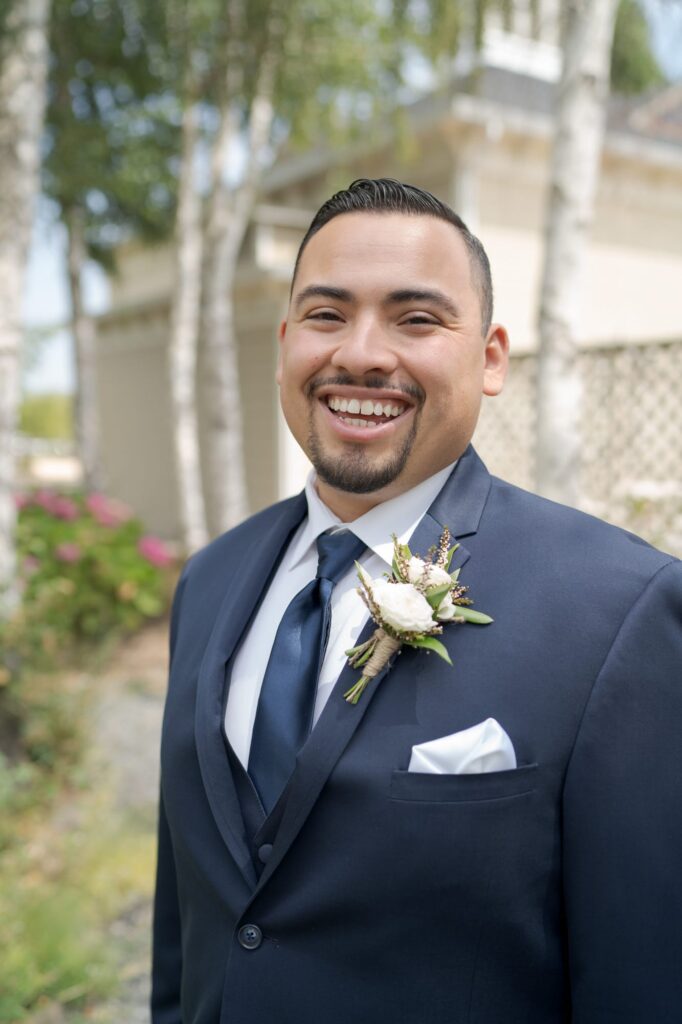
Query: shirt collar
399	515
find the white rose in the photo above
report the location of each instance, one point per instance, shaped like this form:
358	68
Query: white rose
432	575
402	607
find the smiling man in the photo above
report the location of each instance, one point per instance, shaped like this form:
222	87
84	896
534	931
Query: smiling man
493	841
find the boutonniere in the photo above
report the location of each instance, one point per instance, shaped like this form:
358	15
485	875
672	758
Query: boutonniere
410	606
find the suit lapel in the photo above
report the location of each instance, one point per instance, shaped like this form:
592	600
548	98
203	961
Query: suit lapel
253	564
459	506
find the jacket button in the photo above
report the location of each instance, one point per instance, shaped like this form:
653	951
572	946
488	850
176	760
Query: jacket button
250	936
264	852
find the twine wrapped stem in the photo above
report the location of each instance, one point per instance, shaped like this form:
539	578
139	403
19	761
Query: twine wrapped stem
373	656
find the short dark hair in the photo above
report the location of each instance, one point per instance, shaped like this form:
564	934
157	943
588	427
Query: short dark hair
386	195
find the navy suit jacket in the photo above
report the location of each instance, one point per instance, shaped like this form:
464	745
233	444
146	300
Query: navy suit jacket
546	894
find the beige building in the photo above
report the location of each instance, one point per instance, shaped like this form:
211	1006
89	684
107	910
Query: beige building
483	145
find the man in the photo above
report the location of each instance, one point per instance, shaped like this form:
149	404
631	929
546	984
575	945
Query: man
306	874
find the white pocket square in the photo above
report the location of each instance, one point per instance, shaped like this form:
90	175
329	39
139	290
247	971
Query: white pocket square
482	748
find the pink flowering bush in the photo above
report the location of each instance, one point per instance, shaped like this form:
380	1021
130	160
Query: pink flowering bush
88	568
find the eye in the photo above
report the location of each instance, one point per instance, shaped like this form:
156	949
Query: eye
420	320
324	314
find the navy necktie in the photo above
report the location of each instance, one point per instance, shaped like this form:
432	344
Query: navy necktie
287	698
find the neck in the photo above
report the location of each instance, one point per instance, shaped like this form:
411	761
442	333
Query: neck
345	505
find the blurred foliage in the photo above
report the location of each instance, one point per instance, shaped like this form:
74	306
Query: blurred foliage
60	890
53	949
634	68
89	574
111	126
87	568
49	416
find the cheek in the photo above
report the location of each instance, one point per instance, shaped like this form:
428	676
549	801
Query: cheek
299	365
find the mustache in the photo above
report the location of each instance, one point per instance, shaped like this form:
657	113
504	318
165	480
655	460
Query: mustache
372	381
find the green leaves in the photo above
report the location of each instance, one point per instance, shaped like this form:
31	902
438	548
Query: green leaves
448	560
469	615
434	595
429	643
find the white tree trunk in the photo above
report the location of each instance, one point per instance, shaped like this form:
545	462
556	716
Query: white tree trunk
83	330
580	116
183	342
228	218
23	67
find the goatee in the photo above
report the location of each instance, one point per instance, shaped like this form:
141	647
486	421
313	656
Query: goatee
354	472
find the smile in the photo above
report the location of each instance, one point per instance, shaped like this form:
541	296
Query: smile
366	412
357	417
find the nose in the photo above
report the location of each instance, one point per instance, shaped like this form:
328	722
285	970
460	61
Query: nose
365	348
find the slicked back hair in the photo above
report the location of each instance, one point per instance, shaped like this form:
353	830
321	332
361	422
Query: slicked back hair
386	195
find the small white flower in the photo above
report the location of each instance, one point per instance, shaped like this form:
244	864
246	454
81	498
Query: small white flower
402	607
415	569
437	576
446	609
430	575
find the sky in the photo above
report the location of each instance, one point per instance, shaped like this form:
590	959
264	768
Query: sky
46	299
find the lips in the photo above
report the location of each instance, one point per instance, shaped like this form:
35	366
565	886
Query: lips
363	428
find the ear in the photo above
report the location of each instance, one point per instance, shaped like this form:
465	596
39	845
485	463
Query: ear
280	337
496	359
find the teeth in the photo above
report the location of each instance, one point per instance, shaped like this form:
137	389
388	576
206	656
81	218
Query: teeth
365	408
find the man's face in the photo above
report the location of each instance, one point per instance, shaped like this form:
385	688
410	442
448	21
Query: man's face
382	362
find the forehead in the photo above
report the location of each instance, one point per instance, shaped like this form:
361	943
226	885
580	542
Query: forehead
360	251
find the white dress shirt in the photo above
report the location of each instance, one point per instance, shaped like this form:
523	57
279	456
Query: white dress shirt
298	567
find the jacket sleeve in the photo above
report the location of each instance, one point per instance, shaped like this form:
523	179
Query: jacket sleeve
623	822
167	930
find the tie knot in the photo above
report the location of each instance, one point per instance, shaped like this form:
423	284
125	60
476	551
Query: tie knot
336	554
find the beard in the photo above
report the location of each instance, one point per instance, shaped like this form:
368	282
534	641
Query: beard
355	471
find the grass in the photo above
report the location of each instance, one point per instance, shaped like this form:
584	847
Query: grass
60	891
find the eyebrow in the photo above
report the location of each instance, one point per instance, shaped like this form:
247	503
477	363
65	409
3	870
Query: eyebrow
432	295
322	291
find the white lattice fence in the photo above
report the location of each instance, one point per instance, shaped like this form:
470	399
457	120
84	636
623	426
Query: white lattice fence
631	431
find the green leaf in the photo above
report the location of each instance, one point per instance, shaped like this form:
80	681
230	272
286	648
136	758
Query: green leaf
449	556
454	576
480	618
434	595
429	643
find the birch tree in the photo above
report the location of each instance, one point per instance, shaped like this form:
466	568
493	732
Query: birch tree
23	64
229	212
190	62
580	118
184	338
83	331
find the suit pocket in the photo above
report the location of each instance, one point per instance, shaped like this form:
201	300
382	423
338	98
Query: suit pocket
463	788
